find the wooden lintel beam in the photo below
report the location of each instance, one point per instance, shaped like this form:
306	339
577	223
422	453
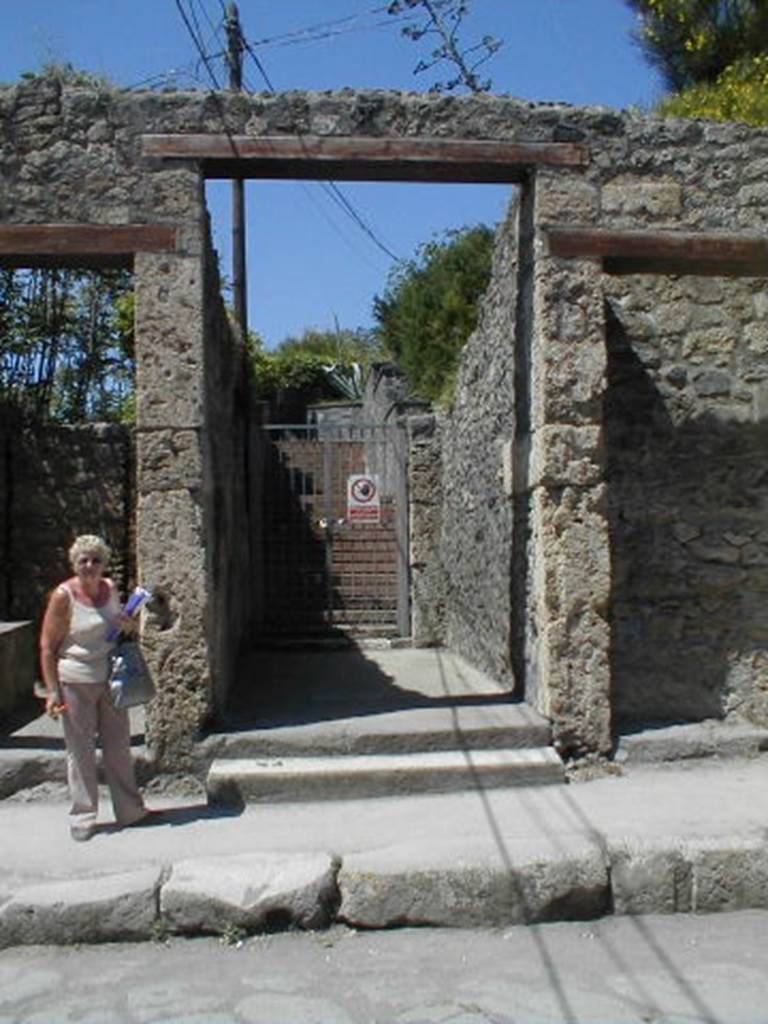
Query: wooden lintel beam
663	252
81	245
356	158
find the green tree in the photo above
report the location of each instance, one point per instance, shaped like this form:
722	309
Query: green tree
692	42
739	94
317	366
66	343
342	345
430	307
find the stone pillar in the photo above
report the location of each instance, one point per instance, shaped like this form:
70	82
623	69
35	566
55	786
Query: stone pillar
568	636
171	540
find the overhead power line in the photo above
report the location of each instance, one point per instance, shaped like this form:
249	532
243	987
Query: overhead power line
204	56
336	27
331	189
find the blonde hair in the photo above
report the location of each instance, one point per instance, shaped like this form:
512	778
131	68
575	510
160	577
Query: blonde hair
89	543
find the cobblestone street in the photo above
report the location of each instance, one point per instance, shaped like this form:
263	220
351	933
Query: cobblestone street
678	968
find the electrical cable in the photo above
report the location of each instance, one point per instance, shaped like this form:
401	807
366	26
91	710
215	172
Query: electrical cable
259	65
330	188
198	45
320	25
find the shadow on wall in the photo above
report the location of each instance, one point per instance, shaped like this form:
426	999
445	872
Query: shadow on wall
57	481
688	499
296	582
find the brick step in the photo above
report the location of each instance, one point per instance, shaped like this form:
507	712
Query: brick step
237	781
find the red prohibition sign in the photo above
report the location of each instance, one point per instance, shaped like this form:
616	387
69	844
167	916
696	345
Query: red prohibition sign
363	490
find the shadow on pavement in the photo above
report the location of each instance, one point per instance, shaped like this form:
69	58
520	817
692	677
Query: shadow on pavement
280	688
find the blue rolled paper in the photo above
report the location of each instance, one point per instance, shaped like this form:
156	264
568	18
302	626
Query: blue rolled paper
135	602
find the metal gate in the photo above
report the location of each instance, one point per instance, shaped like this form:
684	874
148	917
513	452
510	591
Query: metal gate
327	568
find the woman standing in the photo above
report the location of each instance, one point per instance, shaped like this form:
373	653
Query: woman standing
74	652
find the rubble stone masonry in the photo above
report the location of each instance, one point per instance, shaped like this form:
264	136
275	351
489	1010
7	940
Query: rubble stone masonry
600	541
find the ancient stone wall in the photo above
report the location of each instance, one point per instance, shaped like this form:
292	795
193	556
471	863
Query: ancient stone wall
233	492
687	462
477	517
540	469
642	459
59	481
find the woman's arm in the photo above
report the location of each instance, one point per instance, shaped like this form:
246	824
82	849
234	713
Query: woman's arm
54	629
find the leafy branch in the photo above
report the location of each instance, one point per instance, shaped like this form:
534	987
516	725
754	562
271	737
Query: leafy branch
443	19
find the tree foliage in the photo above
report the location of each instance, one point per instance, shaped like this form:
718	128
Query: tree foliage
693	42
66	343
339	346
321	365
739	94
442	19
430	307
713	54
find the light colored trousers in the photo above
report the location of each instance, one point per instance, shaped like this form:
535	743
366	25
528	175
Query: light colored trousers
91	713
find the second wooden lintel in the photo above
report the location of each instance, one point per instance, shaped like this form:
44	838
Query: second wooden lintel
362	158
663	252
96	246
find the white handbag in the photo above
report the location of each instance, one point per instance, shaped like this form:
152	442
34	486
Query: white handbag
130	681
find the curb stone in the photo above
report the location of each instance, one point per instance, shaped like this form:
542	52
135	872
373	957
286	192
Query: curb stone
528	884
460	884
113	908
251	891
689	876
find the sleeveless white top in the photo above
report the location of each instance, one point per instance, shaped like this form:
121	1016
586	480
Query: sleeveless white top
84	653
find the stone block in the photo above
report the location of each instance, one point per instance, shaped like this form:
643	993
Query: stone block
113	908
169	340
567	455
527	884
571	586
250	891
568	353
728	874
565	199
649	878
636	197
169	460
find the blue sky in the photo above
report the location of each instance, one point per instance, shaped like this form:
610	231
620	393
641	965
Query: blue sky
309	265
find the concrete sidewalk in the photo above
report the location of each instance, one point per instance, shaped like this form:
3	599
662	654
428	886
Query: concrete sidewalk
691	836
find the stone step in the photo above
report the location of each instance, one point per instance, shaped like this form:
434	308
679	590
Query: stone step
303	779
345	731
692	740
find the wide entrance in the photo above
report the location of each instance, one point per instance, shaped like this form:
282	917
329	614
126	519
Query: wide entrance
335	531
